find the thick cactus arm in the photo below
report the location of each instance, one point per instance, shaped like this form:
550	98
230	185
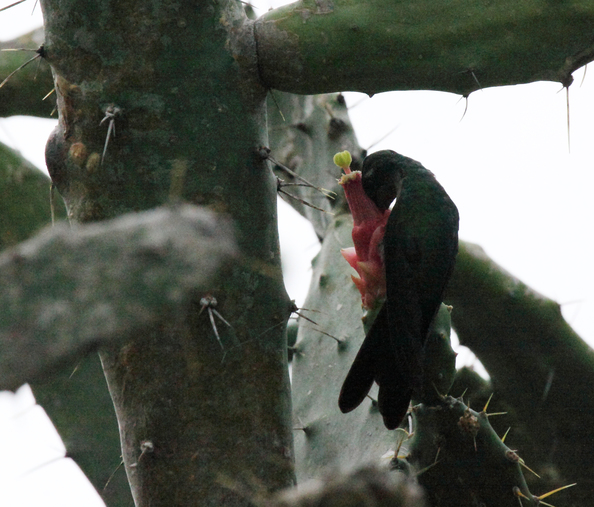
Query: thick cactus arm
318	46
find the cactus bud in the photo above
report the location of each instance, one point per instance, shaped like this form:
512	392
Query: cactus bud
343	159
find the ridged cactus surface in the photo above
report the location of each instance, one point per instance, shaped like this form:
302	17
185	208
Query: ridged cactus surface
320	363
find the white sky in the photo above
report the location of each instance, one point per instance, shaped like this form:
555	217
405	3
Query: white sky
521	195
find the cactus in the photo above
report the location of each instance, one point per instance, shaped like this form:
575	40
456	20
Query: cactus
459	458
25	207
453	451
166	102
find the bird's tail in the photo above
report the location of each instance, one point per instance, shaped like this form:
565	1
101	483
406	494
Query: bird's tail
376	360
393	404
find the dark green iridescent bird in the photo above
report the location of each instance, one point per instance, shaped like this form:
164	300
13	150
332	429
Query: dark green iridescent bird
419	251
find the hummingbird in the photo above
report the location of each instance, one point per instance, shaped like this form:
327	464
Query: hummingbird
418	249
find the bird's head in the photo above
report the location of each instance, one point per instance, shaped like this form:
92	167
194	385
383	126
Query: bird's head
382	173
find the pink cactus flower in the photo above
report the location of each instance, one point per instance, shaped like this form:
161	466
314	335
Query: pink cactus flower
368	231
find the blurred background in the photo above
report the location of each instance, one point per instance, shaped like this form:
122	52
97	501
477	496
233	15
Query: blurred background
504	158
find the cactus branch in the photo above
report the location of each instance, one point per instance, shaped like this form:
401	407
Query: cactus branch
319	46
58	314
538	364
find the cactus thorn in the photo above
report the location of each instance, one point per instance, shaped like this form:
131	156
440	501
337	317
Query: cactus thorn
549	383
111	113
113	474
584	75
74	371
377	141
555	491
488	401
410	422
437	455
40	54
208	302
12	5
265	153
496	413
373	400
304	317
402	435
523	463
327	193
465	97
146	446
505	435
293	308
310	310
48	94
441	396
281	183
519	495
471	72
338	340
476	80
52	204
423	470
568	120
274	99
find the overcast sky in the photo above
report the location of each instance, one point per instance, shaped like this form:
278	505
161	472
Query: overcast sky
521	195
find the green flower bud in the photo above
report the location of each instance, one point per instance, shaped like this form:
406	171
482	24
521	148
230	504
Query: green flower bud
343	159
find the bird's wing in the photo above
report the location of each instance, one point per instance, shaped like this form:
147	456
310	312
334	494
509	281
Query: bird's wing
403	257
